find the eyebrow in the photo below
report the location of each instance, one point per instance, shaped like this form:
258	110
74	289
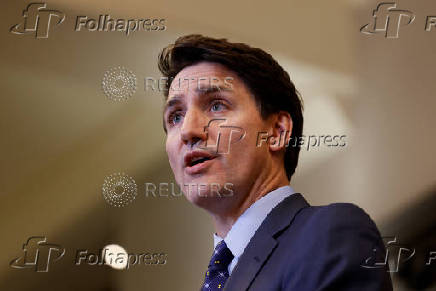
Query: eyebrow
212	89
173	101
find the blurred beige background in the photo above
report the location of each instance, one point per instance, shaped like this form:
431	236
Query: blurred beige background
61	136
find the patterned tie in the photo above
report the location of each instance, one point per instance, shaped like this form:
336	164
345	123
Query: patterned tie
217	272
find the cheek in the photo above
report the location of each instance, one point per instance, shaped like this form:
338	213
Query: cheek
246	150
243	151
171	150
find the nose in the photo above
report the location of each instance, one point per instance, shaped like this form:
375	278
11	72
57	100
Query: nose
192	131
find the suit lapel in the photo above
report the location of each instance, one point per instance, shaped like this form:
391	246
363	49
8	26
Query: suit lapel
264	242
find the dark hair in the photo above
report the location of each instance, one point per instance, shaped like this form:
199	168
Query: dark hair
271	86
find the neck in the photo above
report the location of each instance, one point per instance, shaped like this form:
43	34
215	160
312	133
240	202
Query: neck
224	220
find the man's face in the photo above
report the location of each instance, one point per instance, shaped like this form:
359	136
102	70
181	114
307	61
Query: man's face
208	103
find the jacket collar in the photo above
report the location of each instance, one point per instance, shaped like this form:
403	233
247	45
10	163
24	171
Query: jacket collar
264	242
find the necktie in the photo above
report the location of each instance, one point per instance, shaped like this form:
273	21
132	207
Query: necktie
217	272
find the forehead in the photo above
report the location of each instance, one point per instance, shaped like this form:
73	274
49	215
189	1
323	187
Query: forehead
201	75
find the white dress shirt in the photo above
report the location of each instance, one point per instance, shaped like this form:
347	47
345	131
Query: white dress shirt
246	225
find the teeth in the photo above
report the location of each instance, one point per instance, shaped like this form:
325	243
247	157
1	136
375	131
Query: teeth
196	159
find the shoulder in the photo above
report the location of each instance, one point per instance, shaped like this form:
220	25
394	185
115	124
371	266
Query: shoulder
334	216
331	233
342	226
333	243
329	230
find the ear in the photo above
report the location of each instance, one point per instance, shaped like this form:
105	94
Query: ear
281	131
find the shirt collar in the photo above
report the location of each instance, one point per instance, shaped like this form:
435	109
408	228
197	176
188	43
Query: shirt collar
246	225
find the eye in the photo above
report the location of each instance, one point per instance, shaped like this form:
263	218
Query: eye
174	118
217	106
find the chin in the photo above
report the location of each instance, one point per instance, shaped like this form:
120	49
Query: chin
206	201
204	193
197	199
198	190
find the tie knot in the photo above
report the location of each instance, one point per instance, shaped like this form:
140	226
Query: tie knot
221	258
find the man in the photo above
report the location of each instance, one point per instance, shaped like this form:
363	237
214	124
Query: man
266	236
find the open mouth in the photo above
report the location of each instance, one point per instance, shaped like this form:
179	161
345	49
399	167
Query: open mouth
198	160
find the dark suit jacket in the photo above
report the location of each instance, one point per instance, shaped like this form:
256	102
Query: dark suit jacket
303	248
